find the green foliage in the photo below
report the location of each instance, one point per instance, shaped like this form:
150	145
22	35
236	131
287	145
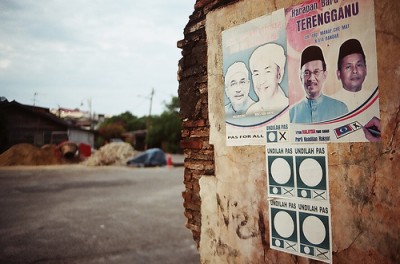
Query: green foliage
174	105
128	121
163	130
111	130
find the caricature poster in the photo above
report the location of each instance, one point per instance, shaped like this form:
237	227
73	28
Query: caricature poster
256	81
332	69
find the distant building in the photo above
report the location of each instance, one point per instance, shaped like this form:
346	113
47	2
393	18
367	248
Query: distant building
79	118
136	138
66	113
37	125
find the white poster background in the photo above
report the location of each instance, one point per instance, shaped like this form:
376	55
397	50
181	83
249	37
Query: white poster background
248	127
327	24
297	171
298	195
301	227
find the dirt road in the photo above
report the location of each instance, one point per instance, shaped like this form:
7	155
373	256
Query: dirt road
77	214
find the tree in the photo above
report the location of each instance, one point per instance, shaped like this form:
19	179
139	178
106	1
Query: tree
174	105
115	126
165	130
128	121
109	131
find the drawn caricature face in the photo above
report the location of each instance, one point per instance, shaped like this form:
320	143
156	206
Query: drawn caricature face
352	72
237	89
313	77
266	76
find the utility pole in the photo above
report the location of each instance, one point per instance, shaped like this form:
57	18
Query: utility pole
91	117
151	100
90	113
148	121
34	98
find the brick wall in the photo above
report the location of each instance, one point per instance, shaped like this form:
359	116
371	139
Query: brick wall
193	94
364	183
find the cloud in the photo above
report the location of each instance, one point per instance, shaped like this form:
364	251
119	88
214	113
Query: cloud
107	50
4	64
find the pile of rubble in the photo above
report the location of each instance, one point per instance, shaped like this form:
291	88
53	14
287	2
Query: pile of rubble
28	154
116	153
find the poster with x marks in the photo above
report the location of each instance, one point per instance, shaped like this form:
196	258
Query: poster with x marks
297	171
301	227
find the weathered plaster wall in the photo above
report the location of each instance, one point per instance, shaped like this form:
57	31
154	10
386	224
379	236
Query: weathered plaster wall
225	194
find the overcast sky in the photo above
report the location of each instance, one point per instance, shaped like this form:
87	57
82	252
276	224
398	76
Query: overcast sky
67	53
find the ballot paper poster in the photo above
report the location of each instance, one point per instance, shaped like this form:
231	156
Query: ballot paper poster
297	171
298	194
255	80
301	227
334	101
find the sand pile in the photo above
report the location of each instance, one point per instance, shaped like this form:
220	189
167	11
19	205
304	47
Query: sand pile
116	153
28	154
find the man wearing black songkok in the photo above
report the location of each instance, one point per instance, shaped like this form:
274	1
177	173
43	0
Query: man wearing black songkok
315	107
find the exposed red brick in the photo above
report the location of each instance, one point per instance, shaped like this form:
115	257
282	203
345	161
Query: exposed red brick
185	133
187	196
194	123
202	3
192	206
195	197
194	166
187	177
196	218
193	227
191	144
193	95
188	214
189	185
200	133
196	189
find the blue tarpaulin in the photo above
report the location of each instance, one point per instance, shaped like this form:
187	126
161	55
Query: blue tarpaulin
150	158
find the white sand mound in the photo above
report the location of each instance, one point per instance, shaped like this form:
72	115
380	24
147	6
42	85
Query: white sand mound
116	153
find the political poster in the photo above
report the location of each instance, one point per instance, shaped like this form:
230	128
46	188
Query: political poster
297	171
298	194
332	68
256	81
301	227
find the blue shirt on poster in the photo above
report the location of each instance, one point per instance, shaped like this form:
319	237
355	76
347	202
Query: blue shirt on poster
317	110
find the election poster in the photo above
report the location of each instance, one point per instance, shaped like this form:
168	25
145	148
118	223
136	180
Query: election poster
298	194
301	227
256	81
332	68
297	171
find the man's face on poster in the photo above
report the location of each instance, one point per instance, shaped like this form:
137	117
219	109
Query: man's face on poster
352	72
313	77
237	88
266	75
